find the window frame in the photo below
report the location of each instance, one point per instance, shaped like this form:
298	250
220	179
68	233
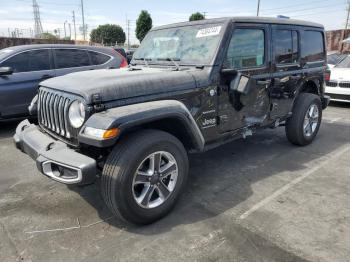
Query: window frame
52	67
289	28
265	29
305	61
109	60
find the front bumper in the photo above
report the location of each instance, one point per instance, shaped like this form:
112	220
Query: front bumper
54	158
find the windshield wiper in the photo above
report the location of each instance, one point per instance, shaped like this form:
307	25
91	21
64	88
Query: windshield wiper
143	59
172	60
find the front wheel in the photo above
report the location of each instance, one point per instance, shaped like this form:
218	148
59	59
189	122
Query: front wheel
302	127
144	176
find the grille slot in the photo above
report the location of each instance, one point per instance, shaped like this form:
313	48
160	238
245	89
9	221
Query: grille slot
344	84
53	114
331	84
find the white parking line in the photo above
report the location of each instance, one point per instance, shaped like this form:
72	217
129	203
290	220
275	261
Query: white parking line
327	159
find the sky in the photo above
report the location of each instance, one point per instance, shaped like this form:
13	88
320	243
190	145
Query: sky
19	13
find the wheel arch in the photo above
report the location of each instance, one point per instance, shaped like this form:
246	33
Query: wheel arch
167	115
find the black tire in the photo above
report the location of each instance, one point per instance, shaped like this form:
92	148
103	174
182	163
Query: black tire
121	165
295	124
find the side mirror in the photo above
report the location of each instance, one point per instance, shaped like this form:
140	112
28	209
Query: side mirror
4	71
240	84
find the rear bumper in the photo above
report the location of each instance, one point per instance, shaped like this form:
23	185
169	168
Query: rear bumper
325	101
54	158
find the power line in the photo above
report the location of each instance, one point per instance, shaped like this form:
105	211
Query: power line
294	5
313	8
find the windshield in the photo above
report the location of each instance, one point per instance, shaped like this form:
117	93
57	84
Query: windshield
187	45
344	64
334	59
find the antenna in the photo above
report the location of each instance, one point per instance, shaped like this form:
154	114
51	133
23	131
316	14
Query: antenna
38	28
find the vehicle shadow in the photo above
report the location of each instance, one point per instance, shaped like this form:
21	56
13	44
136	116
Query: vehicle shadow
8	128
222	179
339	104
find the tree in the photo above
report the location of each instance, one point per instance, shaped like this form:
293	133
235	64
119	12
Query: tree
108	34
143	25
197	16
48	36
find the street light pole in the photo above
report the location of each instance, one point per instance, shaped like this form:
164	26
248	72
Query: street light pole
258	9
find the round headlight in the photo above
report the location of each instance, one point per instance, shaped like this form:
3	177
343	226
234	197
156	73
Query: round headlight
76	114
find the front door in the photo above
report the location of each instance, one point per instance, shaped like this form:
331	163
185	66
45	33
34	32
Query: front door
248	53
18	89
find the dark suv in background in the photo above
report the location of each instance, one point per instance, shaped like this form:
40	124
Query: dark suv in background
22	68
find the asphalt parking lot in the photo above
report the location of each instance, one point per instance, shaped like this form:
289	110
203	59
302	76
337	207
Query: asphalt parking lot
261	199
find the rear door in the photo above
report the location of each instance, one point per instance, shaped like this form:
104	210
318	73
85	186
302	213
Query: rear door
70	60
17	90
287	72
248	53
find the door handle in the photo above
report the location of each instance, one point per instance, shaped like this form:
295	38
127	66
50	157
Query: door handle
263	82
46	76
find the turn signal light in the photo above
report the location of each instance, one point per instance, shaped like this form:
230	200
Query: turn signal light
111	133
101	133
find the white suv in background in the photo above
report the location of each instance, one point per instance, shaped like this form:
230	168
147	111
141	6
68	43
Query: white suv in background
338	81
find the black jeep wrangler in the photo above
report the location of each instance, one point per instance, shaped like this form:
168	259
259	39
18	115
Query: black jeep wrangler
190	87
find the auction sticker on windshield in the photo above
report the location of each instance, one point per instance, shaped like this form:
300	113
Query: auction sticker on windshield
211	31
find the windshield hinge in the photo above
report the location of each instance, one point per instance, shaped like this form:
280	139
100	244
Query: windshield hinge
97	103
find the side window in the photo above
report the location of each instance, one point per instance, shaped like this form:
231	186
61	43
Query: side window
286	46
312	46
98	58
246	49
67	58
39	60
19	63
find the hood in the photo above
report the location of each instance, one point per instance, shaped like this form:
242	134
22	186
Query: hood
113	84
340	74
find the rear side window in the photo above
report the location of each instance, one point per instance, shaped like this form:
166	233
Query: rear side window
286	46
39	60
312	46
67	58
36	60
98	58
247	49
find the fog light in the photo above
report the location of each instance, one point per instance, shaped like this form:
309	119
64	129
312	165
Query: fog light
101	133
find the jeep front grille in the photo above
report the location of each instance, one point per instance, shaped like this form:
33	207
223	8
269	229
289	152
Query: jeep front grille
53	114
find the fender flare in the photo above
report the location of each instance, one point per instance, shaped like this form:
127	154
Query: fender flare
126	117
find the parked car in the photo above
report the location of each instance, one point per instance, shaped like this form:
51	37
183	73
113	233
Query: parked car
335	58
191	87
338	81
22	68
129	54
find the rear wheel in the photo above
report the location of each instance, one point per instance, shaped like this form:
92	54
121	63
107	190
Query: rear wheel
303	126
144	176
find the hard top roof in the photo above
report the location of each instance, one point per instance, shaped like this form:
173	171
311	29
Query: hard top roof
245	19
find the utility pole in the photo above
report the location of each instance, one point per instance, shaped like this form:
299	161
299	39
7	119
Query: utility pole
205	14
258	9
128	34
70	31
64	26
82	14
75	29
38	28
346	27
